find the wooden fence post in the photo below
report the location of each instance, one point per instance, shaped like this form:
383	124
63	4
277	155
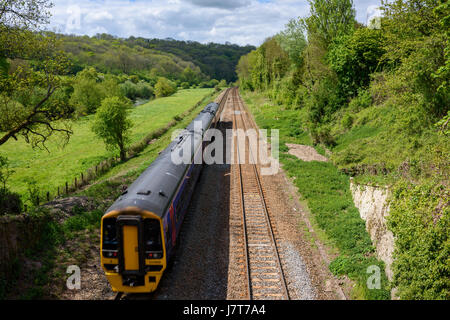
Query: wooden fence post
48	196
67	188
76	183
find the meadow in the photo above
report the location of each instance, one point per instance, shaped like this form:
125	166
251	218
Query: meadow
51	169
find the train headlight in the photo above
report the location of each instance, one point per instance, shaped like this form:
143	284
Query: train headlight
153	241
154	255
110	243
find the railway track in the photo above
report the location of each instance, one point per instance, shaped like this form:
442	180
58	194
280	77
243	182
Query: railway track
263	269
260	258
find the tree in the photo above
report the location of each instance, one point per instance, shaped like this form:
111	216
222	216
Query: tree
24	13
293	41
243	71
27	105
111	124
355	57
417	49
185	85
329	19
164	88
222	83
189	76
9	202
87	95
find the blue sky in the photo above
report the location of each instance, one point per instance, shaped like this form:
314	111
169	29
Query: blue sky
236	21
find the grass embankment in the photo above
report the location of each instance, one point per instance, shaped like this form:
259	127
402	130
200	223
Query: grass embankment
85	150
70	242
327	194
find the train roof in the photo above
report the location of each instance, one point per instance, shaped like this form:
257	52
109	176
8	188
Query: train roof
154	189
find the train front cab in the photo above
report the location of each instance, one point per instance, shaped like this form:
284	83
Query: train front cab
133	253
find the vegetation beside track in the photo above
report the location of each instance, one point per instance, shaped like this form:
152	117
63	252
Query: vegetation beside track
327	194
377	96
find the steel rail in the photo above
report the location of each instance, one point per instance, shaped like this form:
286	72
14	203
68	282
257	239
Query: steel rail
284	288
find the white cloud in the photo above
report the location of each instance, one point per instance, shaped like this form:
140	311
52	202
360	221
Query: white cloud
237	21
229	4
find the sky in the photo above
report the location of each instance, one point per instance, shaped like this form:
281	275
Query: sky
237	21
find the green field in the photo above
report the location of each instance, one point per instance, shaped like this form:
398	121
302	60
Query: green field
84	150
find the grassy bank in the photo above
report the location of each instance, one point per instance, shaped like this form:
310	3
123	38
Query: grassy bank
327	194
84	149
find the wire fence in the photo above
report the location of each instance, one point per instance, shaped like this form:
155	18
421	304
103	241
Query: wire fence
98	170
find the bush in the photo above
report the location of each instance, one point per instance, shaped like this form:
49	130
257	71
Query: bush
355	57
10	203
33	193
324	101
347	121
129	89
361	101
164	88
322	135
185	85
222	83
420	220
133	91
144	90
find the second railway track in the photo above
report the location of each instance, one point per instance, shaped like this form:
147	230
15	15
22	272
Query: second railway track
264	271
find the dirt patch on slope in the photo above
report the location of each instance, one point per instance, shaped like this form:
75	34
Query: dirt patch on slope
305	153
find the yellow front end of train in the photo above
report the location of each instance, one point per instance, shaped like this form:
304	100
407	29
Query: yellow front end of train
132	250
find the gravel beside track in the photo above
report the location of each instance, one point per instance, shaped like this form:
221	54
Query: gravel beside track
211	260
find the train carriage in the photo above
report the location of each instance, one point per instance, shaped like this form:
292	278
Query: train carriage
140	230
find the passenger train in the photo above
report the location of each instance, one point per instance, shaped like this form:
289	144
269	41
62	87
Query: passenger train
140	230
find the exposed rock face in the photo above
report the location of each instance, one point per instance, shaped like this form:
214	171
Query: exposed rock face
374	208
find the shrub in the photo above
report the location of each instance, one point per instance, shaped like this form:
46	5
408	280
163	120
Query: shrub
129	89
361	101
324	101
10	203
322	135
134	79
420	220
185	85
355	57
222	83
33	193
144	90
140	90
347	121
164	88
